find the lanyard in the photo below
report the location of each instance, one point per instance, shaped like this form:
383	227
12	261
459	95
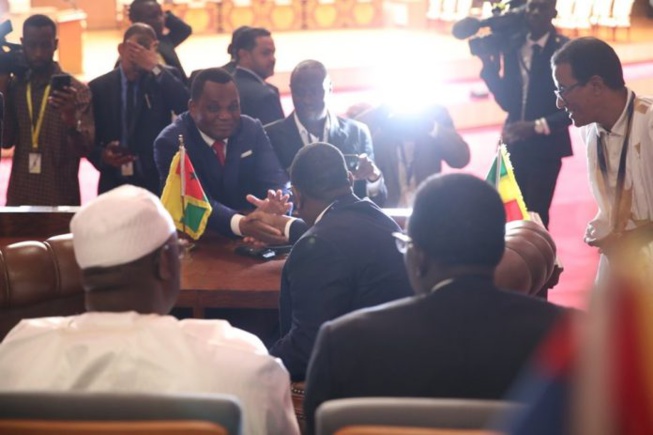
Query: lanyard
621	174
36	129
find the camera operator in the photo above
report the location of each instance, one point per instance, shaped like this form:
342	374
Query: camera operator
536	131
50	127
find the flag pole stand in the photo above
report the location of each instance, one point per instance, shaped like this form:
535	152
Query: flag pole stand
185	242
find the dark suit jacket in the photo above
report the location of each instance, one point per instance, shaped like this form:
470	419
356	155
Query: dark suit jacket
540	103
258	100
157	99
350	137
468	340
178	32
347	260
250	166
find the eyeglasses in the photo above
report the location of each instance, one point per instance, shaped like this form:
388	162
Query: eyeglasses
402	241
563	90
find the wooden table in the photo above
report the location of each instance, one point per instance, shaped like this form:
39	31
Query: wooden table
214	276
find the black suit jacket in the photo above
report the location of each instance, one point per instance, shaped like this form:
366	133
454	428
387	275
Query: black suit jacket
540	103
250	166
349	136
346	261
257	99
467	339
178	32
157	99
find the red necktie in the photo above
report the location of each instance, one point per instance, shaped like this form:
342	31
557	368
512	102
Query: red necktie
218	148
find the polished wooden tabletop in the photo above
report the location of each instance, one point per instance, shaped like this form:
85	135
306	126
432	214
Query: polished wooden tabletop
214	276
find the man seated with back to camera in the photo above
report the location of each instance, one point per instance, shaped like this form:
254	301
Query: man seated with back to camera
126	246
459	336
230	152
346	260
411	145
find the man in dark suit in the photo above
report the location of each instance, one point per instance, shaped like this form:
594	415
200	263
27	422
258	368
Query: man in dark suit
312	122
150	13
345	261
131	105
231	154
536	131
254	49
460	336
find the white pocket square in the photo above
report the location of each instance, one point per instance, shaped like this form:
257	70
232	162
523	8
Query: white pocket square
246	154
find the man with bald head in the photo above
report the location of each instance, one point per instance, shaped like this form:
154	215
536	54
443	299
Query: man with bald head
126	247
312	121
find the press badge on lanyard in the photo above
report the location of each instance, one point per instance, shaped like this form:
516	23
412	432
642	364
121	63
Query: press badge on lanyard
35	156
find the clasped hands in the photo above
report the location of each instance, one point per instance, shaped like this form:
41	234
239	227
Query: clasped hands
266	225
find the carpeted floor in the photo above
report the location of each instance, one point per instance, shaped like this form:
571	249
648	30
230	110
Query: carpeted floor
572	208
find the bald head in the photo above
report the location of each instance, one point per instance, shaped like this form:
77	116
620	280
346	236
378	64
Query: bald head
310	86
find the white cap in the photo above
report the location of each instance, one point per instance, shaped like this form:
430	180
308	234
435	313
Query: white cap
119	226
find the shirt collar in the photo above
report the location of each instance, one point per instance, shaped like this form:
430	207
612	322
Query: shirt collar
307	137
440	284
209	140
619	127
319	217
541	42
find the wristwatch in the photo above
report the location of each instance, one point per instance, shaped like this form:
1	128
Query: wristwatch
539	126
157	70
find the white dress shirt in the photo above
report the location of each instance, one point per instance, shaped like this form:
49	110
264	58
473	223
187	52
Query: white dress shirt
131	352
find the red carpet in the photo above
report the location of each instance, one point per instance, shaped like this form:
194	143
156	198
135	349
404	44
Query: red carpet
572	208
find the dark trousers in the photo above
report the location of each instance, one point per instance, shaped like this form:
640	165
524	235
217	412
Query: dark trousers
537	181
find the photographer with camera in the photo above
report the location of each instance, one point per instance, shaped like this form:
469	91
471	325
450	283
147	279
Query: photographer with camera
48	121
536	131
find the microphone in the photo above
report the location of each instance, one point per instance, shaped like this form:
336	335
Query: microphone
467	27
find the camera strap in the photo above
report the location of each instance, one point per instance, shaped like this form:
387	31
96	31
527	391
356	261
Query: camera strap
35	125
621	174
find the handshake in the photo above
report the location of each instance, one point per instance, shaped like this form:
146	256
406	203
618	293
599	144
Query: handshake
266	225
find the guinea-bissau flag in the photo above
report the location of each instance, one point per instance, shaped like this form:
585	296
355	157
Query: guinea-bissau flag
503	179
184	197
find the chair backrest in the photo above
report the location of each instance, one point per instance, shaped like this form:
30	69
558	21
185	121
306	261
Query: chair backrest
216	408
39	279
407	411
49	427
404	430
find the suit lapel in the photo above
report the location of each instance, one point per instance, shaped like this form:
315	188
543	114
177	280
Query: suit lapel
204	160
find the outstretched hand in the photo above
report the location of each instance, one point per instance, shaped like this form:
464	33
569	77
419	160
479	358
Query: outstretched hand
276	202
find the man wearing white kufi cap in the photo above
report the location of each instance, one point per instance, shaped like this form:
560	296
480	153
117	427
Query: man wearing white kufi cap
126	245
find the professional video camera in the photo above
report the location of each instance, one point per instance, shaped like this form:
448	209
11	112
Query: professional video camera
12	59
507	23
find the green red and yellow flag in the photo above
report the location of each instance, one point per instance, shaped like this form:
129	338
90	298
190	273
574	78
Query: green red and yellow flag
184	197
502	177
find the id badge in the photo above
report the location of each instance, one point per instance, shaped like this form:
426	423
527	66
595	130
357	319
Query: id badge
127	169
34	163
